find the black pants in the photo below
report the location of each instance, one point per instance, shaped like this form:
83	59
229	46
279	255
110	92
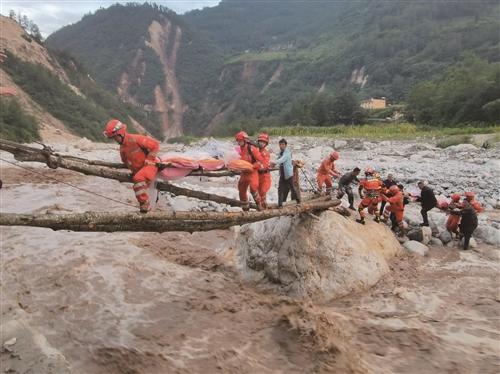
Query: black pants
423	212
392	217
346	190
467	237
284	187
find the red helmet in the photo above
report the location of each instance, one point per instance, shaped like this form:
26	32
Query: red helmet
369	170
394	189
263	137
114	127
335	155
242	135
455	197
469	195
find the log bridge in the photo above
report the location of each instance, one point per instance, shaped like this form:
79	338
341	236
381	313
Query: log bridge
157	221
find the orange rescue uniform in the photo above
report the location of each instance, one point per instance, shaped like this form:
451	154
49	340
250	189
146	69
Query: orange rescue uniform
325	172
251	154
371	197
264	176
139	153
396	206
453	219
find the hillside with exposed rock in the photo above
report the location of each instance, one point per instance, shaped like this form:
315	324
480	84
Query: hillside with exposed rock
247	64
56	92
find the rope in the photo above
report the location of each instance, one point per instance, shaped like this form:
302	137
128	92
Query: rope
309	181
68	184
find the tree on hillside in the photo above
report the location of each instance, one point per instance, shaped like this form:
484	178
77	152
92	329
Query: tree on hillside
467	92
27	24
324	109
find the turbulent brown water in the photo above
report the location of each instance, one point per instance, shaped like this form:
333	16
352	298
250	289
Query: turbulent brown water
174	303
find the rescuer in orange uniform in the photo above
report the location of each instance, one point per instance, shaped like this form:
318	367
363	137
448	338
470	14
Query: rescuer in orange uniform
264	172
453	219
251	154
471	199
326	171
372	187
140	154
396	201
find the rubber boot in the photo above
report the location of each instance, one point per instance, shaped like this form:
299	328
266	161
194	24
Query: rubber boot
361	220
144	207
246	206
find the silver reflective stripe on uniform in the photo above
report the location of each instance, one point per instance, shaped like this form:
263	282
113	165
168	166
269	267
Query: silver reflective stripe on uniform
140	192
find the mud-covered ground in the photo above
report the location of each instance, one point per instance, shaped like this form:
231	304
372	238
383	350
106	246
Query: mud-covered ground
174	303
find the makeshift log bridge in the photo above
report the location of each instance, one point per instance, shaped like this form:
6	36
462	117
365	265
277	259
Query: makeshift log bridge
110	170
159	221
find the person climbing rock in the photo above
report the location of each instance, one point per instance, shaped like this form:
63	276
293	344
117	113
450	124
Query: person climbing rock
468	222
471	198
264	172
395	198
326	171
369	190
453	219
387	184
427	200
285	184
345	186
251	154
406	201
140	154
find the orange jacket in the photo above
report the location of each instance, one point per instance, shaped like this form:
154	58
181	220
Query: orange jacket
477	206
136	149
266	159
247	151
327	167
396	201
371	184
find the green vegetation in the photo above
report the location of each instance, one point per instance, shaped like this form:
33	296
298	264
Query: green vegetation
85	115
379	131
230	52
110	103
468	92
326	110
454	140
15	124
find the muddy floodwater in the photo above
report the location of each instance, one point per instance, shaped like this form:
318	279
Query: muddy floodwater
176	303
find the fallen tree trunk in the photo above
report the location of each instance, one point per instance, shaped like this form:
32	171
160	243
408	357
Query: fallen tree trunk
25	153
157	221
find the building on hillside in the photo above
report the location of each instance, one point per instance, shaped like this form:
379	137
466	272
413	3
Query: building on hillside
374	103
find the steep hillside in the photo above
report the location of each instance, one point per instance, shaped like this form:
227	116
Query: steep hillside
149	56
56	93
377	48
247	62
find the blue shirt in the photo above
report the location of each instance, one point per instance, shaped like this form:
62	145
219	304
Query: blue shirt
285	159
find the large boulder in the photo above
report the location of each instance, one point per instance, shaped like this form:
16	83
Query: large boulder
416	247
426	235
488	234
323	259
445	237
